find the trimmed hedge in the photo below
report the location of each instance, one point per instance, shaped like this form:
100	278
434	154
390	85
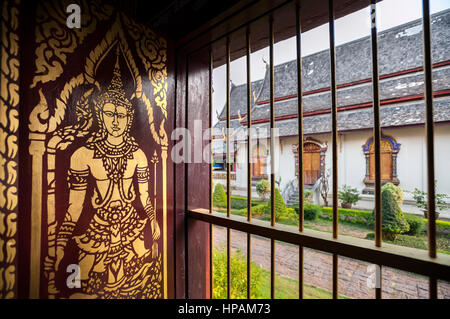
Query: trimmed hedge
441	224
353	216
311	211
237	202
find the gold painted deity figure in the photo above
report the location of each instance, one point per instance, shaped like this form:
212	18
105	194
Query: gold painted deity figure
113	260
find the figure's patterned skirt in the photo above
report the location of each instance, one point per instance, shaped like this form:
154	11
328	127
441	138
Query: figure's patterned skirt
115	237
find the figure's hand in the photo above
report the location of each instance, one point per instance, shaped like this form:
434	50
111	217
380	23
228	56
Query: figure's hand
155	229
59	256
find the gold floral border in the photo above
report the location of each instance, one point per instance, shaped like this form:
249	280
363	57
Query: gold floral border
9	125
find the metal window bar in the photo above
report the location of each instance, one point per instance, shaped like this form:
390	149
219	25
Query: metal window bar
402	258
272	158
300	146
211	63
429	127
228	169
334	139
395	257
249	162
376	133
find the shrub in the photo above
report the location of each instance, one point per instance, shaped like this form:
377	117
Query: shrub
290	216
238	202
416	224
311	211
397	191
219	196
370	236
349	195
263	188
238	267
257	210
280	206
393	220
421	199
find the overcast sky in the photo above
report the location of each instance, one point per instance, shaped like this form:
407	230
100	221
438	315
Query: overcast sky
390	13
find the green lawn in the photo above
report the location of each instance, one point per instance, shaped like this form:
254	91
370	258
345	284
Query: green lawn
287	288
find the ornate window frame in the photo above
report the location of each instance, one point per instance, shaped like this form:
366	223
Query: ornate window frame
264	154
323	150
370	183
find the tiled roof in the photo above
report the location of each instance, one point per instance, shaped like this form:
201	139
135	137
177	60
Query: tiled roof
400	49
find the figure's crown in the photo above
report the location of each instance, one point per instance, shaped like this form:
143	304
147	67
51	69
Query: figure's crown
115	92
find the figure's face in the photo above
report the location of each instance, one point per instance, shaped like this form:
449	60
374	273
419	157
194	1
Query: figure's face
115	119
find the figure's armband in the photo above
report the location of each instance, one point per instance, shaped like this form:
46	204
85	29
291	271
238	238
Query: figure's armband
143	174
150	211
65	233
77	180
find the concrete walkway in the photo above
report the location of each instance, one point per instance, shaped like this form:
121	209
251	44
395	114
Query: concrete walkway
353	274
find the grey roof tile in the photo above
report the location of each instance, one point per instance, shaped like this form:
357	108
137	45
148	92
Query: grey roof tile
400	49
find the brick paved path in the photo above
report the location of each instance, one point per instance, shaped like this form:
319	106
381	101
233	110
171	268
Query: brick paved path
353	274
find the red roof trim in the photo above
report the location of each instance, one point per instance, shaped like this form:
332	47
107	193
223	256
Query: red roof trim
357	106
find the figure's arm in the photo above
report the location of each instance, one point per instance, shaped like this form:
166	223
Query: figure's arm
77	183
143	177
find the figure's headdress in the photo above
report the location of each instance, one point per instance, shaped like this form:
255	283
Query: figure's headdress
115	93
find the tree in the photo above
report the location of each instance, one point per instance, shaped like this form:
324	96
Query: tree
263	188
280	206
397	191
393	220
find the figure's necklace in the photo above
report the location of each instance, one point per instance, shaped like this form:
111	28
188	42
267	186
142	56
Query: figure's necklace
114	158
109	150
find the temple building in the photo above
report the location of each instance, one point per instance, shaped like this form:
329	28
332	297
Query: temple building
402	112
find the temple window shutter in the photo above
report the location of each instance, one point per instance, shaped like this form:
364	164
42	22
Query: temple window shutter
389	150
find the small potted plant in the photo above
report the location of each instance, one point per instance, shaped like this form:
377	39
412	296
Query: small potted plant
421	202
348	196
